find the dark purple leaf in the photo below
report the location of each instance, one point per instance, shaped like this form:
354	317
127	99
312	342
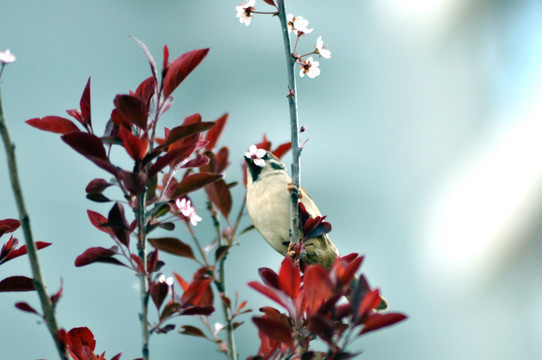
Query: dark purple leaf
97	254
269	277
132	110
183	131
16	283
172	246
88	145
118	224
193	182
322	327
97	186
192	330
219	194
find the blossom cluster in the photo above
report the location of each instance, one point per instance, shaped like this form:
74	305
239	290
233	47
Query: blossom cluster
297	25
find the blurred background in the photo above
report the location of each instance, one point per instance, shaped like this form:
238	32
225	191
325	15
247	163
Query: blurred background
424	153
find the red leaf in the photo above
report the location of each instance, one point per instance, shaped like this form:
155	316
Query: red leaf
282	149
370	301
55	297
197	293
97	254
275	295
22	250
270	2
80	338
289	277
16	283
193	182
85	105
9	225
179	69
219	194
135	147
165	62
139	264
25	307
146	89
132	110
172	246
275	329
377	321
183	131
317	287
344	272
98	220
214	133
88	145
181	281
54	124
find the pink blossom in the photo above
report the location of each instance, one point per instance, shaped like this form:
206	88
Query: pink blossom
310	68
6	57
188	211
244	12
256	155
321	49
299	24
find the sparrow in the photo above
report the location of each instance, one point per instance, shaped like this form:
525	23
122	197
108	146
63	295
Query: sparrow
268	204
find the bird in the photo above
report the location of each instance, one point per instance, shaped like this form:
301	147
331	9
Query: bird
268	204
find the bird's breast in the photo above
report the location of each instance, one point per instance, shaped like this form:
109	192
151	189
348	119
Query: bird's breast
268	204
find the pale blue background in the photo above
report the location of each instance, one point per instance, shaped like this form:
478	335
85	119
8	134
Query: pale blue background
414	91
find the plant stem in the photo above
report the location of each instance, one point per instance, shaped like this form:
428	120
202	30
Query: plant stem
294	127
143	280
221	285
39	283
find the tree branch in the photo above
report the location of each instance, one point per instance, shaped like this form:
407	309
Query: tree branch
39	283
294	127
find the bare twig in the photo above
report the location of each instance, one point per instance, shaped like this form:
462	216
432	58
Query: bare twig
39	283
221	286
143	280
294	126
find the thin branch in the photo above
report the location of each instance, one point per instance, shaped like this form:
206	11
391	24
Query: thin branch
143	280
39	283
294	127
221	286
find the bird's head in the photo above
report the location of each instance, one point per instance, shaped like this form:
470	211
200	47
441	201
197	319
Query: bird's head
261	163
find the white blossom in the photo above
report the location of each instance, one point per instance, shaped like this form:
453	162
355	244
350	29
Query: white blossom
321	49
310	68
